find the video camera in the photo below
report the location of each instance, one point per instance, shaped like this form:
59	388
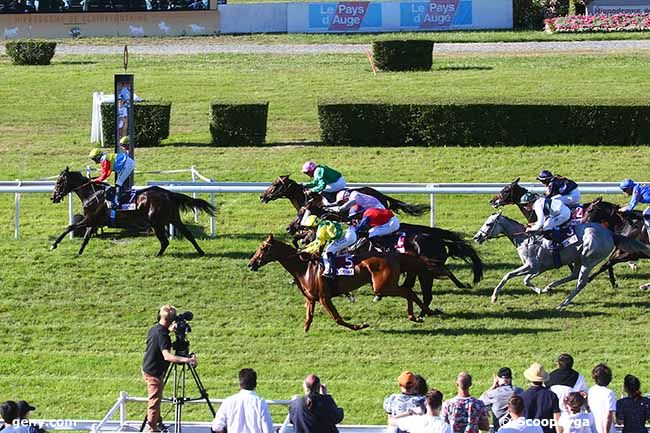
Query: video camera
182	345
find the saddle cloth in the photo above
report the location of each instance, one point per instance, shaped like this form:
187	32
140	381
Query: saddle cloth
346	259
127	198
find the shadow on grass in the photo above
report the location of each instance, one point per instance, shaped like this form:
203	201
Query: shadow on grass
524	314
635	304
470	331
463	68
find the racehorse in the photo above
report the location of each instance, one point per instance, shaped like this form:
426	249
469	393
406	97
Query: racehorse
154	205
431	242
596	243
382	271
629	224
512	194
284	187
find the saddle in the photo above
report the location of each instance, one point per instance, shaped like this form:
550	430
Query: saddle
562	236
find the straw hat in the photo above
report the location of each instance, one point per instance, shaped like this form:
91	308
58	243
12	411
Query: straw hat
536	373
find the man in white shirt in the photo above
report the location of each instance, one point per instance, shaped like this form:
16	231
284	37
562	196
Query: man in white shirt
565	380
244	412
518	423
427	423
602	400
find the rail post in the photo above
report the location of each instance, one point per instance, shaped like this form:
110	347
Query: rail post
196	211
432	210
17	213
123	398
213	222
71	212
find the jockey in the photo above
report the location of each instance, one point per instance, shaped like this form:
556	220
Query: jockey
560	188
330	239
120	163
382	221
358	198
549	217
325	180
639	194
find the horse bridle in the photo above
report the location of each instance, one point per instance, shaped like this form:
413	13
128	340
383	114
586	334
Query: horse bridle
489	234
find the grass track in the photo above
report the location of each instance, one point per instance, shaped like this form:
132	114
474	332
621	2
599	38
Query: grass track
72	328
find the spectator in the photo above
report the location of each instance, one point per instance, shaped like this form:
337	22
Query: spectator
9	412
421	385
564	379
244	412
574	420
633	411
540	403
316	412
498	396
407	401
431	422
518	423
464	413
602	400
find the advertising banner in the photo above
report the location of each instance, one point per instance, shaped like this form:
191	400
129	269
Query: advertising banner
345	16
436	14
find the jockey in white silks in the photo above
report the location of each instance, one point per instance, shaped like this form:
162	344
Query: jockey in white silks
548	217
356	198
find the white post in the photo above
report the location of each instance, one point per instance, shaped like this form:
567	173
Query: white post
213	222
88	170
432	216
123	397
196	211
171	226
71	213
17	214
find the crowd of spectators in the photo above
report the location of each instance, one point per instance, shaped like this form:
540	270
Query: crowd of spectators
54	6
559	402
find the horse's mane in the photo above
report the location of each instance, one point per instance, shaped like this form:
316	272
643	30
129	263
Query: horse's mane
77	176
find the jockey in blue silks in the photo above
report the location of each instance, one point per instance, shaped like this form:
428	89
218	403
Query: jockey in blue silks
560	188
638	194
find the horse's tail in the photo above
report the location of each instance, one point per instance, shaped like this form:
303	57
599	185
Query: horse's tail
410	209
630	245
187	203
459	248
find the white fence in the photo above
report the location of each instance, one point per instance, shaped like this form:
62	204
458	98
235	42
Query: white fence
207	186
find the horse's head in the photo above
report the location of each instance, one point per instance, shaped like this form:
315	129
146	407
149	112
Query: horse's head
599	211
510	194
491	228
61	187
264	254
277	189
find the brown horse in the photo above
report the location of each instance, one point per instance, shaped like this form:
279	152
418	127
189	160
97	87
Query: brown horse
382	271
512	194
284	187
155	206
628	224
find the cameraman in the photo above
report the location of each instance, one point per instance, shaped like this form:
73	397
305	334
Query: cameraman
156	360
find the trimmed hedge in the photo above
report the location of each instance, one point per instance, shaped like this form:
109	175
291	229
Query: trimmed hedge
30	52
408	55
379	124
234	124
151	123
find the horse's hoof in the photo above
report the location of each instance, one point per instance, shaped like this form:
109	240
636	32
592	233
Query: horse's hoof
633	266
53	247
546	289
376	298
644	286
360	327
494	299
537	290
415	319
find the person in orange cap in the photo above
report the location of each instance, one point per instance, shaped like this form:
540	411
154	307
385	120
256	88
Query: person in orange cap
408	401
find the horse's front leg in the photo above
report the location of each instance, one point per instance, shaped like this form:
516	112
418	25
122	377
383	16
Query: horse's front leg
326	302
309	317
529	283
522	270
61	236
87	235
582	282
574	275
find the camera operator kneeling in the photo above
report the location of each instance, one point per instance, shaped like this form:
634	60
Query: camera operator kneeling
157	358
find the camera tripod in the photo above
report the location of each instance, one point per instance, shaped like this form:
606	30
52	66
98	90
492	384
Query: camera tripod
179	399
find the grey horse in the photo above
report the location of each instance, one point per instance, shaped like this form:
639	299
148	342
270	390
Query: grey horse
594	244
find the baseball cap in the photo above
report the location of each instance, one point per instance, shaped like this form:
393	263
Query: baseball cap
406	379
504	373
24	408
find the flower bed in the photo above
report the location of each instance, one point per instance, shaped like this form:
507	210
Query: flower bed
599	23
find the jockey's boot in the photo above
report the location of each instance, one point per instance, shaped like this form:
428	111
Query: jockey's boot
116	198
330	267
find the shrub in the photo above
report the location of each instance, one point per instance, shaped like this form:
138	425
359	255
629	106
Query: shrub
599	23
30	52
151	123
409	55
378	124
237	124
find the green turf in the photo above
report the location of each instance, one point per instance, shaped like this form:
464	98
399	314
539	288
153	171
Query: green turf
72	328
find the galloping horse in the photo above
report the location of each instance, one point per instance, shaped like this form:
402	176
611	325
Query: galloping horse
630	225
284	187
512	194
596	243
382	271
431	242
154	205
